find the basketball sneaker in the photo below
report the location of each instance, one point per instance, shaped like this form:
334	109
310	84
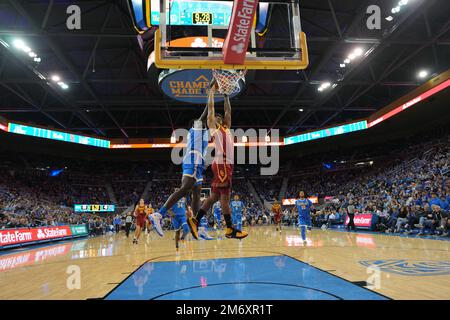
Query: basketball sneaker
193	226
232	233
156	218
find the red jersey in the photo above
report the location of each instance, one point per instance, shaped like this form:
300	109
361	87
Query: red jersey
141	210
223	145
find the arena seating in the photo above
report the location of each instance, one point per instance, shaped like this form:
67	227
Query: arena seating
398	181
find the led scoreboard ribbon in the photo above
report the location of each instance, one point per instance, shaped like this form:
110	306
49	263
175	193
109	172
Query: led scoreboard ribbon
57	135
93	207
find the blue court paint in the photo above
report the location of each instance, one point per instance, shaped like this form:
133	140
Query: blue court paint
264	278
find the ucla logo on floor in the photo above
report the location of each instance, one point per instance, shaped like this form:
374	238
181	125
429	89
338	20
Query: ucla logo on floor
410	267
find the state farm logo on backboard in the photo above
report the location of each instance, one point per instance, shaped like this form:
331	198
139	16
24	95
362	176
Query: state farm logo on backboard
239	31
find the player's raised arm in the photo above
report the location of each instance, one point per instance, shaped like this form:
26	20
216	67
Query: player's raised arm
211	121
227	106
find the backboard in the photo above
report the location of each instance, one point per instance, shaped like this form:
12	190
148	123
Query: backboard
192	34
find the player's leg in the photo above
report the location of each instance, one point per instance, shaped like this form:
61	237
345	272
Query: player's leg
177	238
239	222
187	183
137	232
194	221
302	225
231	232
196	193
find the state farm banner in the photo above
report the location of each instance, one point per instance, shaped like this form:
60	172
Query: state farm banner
24	235
362	220
239	31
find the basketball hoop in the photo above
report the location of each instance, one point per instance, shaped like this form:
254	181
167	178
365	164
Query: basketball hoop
228	80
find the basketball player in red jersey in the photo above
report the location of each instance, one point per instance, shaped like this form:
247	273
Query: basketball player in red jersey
140	212
276	209
222	167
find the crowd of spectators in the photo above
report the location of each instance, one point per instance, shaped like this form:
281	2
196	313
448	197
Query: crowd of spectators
404	184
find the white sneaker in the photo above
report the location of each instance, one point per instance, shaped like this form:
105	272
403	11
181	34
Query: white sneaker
156	220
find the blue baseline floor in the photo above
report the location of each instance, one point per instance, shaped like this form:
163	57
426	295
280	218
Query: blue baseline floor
257	278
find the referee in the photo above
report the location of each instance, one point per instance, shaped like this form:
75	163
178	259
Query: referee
128	222
351	214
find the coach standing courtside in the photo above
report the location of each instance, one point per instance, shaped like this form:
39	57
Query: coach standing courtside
351	215
128	222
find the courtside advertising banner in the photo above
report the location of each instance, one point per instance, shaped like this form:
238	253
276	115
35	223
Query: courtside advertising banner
361	220
26	235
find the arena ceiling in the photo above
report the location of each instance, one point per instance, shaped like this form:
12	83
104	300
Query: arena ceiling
111	93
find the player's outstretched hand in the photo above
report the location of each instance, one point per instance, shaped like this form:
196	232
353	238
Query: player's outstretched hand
213	84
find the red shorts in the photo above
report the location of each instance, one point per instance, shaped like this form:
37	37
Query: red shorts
223	174
277	218
140	220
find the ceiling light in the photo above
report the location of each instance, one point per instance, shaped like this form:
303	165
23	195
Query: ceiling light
26	49
326	85
422	74
395	10
320	89
32	54
64	86
19	44
358	52
403	2
347	60
351	56
56	78
60	83
301	110
342	65
390	18
37	59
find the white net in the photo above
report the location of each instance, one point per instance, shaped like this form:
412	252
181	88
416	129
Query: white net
228	80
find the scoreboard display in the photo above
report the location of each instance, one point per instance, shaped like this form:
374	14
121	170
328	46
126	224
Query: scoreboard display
94	208
188	13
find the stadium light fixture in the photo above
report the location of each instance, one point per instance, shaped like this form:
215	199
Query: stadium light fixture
324	86
19	44
358	52
422	74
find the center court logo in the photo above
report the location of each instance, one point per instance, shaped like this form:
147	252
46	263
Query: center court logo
406	267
